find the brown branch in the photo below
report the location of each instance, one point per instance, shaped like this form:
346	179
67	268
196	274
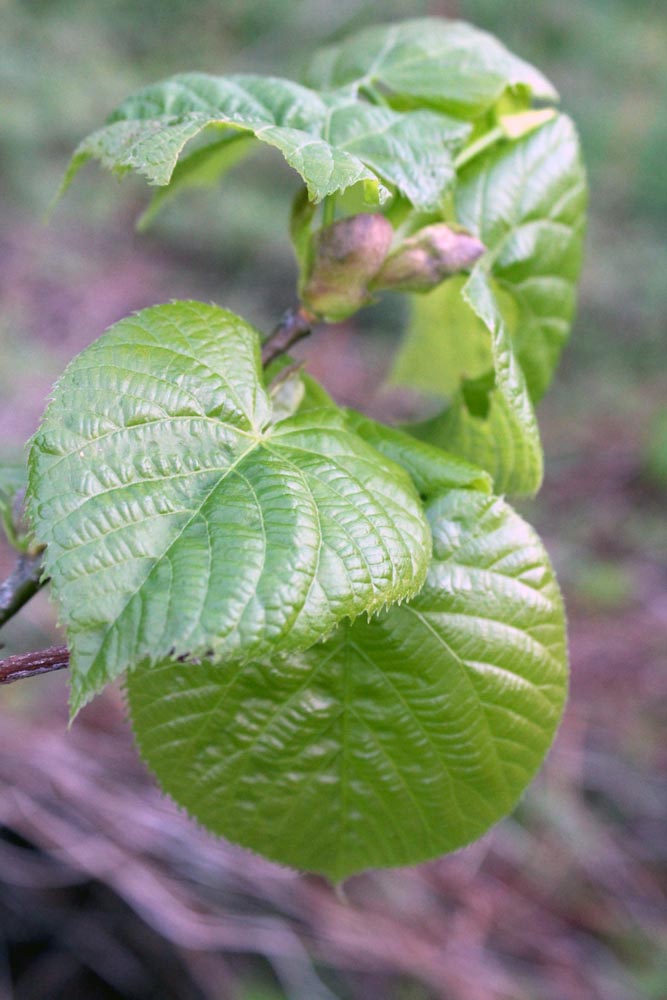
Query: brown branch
16	668
295	324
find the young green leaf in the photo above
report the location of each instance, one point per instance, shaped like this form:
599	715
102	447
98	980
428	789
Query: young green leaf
414	150
433	62
182	520
431	469
443	342
526	201
395	740
301	220
333	141
505	440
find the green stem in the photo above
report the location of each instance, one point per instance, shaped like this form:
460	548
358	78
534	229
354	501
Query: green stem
470	152
329	210
374	95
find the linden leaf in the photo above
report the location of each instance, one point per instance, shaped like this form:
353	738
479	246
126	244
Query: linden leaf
429	61
183	518
332	140
395	740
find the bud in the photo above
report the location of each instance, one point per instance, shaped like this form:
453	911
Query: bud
424	260
347	255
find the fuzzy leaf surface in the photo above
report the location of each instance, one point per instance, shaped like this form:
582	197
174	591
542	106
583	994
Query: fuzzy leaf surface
448	65
181	520
333	141
395	740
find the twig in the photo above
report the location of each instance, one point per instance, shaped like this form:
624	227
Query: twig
295	324
23	583
16	668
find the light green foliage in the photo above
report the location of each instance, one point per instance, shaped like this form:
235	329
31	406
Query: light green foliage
217	533
526	202
444	342
333	141
181	520
431	469
448	65
200	168
505	440
393	741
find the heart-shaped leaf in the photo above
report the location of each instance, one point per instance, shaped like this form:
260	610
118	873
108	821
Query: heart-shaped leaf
182	520
396	739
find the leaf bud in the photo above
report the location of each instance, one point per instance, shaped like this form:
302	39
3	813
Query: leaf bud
347	255
424	260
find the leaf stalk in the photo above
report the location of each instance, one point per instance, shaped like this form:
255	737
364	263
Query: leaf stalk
475	148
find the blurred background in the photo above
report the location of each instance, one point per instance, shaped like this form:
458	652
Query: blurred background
106	890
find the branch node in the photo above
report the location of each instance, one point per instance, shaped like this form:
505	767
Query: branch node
295	324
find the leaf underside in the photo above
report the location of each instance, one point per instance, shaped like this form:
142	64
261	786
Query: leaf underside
505	441
527	204
526	201
395	740
182	520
